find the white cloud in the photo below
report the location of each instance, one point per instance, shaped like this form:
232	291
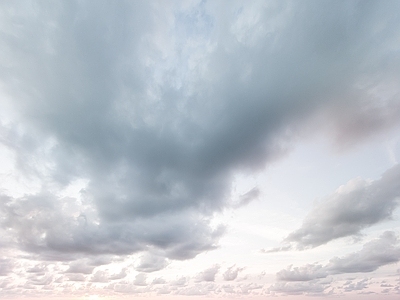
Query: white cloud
208	274
355	206
304	273
232	273
140	279
373	255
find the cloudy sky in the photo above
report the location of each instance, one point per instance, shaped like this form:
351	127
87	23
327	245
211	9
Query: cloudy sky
199	149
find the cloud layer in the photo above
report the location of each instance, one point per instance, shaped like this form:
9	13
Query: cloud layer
310	279
157	143
373	255
126	124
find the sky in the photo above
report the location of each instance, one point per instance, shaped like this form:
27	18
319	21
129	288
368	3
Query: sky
200	149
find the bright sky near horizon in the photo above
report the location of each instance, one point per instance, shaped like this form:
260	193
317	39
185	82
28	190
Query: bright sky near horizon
200	149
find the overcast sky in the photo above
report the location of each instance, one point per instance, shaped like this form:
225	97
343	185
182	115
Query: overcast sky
197	149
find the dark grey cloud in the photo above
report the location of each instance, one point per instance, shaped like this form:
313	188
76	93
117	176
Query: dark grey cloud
357	205
158	134
45	224
382	251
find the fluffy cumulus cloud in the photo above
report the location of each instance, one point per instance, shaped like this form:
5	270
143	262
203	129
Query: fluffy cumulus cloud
232	273
353	207
125	123
305	273
151	262
208	274
373	255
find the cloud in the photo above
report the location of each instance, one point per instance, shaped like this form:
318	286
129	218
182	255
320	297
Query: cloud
198	289
6	266
299	288
357	205
105	276
350	285
158	126
80	266
42	280
232	273
140	279
246	198
117	276
374	254
208	274
181	281
158	280
248	288
42	225
304	273
277	249
39	269
76	277
151	262
99	276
